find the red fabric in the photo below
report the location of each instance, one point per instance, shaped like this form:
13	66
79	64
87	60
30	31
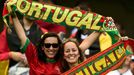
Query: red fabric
4	56
38	67
29	0
43	29
3	46
129	42
51	27
5	11
73	35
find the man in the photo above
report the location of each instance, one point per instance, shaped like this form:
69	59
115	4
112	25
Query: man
132	64
126	69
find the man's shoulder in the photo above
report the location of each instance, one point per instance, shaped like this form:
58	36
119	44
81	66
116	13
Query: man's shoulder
114	72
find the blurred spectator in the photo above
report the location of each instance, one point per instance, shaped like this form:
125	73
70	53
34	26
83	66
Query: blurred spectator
121	29
4	62
126	69
51	27
132	64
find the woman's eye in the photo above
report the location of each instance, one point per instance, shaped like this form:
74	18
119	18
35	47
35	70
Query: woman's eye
67	51
74	50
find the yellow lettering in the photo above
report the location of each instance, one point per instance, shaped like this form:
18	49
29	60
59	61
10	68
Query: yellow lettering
48	10
95	23
112	58
23	8
79	73
87	20
92	69
71	20
86	71
120	52
62	18
10	3
37	8
100	64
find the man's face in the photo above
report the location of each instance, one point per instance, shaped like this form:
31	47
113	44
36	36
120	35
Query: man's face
132	66
128	60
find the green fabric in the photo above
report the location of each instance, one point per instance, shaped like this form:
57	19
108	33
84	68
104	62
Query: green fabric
23	49
51	60
129	52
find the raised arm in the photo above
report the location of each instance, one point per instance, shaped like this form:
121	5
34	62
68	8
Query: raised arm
87	42
19	29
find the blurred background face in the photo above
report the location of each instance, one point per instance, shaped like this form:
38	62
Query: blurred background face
132	66
71	52
51	47
128	60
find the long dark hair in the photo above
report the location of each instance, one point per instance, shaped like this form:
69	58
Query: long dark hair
65	66
41	54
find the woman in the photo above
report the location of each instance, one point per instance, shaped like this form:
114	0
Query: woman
72	54
43	59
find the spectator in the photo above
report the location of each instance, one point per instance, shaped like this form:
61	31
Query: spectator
32	30
73	51
125	70
43	59
132	64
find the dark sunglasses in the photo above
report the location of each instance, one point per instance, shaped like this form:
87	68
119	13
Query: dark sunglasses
48	45
132	60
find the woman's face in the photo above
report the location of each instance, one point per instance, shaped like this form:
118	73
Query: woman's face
128	60
71	52
51	47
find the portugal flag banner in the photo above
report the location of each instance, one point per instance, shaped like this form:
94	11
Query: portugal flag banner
61	15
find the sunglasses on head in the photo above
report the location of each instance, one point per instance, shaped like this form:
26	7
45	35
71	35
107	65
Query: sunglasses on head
48	45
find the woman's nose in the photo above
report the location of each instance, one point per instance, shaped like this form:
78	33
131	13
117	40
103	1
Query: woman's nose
51	47
71	52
